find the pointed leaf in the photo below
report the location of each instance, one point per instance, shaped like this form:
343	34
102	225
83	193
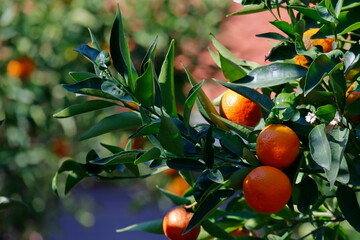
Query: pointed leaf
94	43
284	26
214	230
151	154
252	8
150	55
167	84
349	205
186	164
190	101
206	104
176	199
320	147
319	68
338	138
154	226
81	76
308	194
7	203
88	52
120	53
124	120
145	88
273	35
207	207
170	137
231	70
119	158
272	75
88	106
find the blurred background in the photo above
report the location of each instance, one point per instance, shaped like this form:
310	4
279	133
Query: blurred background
37	39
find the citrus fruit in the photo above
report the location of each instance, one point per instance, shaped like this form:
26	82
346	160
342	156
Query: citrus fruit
267	189
325	43
138	143
277	145
239	109
177	186
176	221
21	68
351	96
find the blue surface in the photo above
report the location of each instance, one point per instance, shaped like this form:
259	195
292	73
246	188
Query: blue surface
112	211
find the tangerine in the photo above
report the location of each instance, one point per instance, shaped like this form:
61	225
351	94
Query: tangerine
240	232
277	145
21	68
239	109
325	43
177	186
351	96
176	221
267	189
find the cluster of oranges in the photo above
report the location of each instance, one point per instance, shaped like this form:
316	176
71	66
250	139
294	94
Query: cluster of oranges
266	188
309	42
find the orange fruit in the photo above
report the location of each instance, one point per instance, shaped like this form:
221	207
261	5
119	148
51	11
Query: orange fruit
177	186
21	68
325	43
175	223
61	147
239	109
350	97
277	145
267	189
171	172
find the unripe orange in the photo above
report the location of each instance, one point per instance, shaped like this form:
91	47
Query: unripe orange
175	223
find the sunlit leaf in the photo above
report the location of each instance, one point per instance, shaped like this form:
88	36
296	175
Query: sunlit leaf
231	70
170	137
190	101
177	200
145	88
319	146
154	226
88	106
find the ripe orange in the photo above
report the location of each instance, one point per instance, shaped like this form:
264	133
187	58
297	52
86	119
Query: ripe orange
177	186
21	68
267	189
277	145
350	97
175	223
325	43
239	109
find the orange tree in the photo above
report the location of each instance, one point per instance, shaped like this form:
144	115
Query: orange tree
310	187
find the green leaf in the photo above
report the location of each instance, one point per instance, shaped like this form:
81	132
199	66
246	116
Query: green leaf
242	130
319	68
205	103
154	226
231	70
352	62
90	83
124	120
208	148
145	88
88	52
248	9
150	55
177	200
207	207
272	75
148	129
284	26
308	194
120	53
88	106
190	101
112	148
214	230
76	174
167	84
273	35
310	12
319	146
349	205
170	137
151	154
338	138
119	158
281	52
7	203
326	113
237	178
326	12
81	76
263	101
94	41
